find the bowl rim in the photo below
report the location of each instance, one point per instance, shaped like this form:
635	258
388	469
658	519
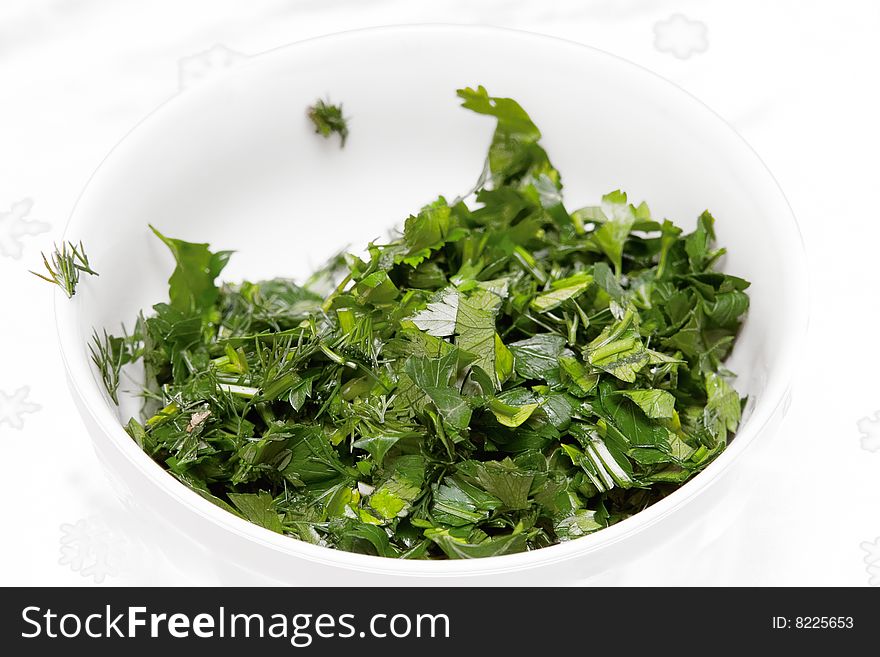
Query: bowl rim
91	401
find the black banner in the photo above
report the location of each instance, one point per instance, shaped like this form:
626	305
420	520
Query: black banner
401	621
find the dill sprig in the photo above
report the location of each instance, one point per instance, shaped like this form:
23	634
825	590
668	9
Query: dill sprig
65	266
109	353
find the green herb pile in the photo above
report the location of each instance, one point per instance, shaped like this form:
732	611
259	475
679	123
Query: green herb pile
504	375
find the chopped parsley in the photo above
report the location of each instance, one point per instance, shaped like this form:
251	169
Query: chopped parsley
505	374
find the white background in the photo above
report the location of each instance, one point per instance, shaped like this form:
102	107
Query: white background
798	79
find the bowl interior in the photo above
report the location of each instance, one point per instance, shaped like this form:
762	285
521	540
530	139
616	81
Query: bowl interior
235	163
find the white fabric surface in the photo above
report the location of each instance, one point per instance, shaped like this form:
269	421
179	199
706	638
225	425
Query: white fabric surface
797	78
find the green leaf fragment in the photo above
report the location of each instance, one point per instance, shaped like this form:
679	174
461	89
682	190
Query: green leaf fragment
612	235
507	482
475	334
655	403
604	466
534	357
561	291
457	503
441	316
509	415
580	523
393	498
259	508
619	350
722	413
328	119
456	547
191	287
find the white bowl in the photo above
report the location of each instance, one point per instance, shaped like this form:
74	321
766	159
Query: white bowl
234	162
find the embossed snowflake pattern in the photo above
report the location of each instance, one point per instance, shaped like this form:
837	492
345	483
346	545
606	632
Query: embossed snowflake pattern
869	427
205	65
92	549
872	560
14	406
681	36
14	225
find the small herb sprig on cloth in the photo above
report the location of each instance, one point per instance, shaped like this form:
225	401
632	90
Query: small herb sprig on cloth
504	375
65	266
